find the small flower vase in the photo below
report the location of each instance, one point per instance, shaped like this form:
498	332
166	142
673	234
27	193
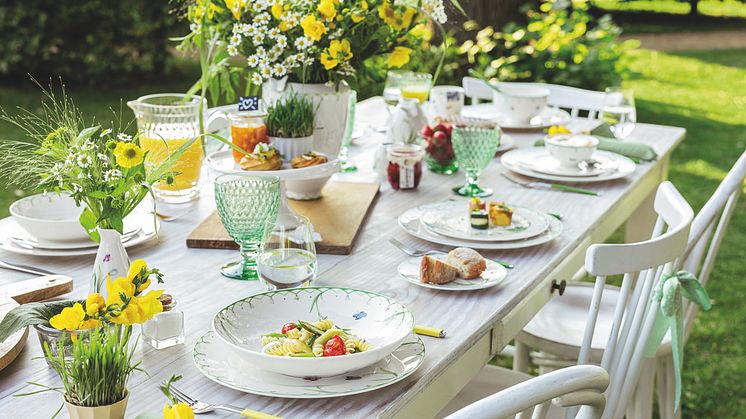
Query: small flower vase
111	411
111	259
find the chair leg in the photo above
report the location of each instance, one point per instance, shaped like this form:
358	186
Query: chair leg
666	388
521	359
641	405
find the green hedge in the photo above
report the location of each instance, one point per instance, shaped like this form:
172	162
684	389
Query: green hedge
86	40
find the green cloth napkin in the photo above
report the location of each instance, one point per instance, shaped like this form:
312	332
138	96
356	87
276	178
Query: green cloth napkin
632	150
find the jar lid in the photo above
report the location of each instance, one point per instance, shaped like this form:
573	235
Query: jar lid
167	301
405	154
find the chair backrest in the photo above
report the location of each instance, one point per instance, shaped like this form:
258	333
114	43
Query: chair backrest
642	264
573	99
708	231
581	385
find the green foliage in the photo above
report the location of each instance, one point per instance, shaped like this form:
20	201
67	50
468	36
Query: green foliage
86	41
30	314
561	43
291	117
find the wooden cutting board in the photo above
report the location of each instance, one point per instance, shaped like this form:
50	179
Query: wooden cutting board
12	295
337	216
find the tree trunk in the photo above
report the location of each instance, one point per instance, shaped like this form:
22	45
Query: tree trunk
693	7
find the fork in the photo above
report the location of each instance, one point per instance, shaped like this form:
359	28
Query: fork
202	407
411	251
545	185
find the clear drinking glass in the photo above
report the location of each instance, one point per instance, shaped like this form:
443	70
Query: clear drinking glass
415	86
392	90
619	111
474	148
246	203
345	165
287	258
165	122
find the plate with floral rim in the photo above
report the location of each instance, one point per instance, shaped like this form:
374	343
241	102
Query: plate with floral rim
216	361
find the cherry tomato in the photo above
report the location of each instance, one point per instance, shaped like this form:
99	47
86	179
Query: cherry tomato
288	326
335	347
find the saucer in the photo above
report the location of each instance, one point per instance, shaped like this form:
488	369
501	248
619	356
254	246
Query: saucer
546	118
551	166
514	160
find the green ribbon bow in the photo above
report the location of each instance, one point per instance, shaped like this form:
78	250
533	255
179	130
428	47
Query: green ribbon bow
669	292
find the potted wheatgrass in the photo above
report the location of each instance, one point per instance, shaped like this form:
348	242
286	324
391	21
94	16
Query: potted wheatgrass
290	125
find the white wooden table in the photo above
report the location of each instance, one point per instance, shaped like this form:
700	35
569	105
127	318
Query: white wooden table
479	324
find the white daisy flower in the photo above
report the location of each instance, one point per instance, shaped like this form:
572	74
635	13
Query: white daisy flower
258	39
235	39
247	30
84	160
276	50
260	52
232	50
279	70
195	27
111	175
274	32
70	159
282	41
256	79
105	132
103	157
124	137
252	61
303	43
266	72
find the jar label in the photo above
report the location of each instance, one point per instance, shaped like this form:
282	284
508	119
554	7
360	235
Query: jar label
406	176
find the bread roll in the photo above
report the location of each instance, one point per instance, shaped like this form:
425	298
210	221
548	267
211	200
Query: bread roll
469	262
434	271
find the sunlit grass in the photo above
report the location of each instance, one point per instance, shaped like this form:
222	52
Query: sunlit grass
729	8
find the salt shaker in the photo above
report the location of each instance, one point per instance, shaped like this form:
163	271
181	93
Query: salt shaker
165	329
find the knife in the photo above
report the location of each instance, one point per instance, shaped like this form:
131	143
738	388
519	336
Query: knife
26	269
545	185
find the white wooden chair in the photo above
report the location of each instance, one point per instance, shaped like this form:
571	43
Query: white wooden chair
556	331
572	99
629	324
533	398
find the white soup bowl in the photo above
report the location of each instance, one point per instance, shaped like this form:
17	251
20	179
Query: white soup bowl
49	217
571	149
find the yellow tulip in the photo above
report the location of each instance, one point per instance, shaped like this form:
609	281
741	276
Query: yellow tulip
312	28
69	318
399	56
327	10
94	303
178	411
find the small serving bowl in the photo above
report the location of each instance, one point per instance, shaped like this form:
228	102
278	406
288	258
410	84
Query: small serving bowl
49	217
571	149
520	103
380	320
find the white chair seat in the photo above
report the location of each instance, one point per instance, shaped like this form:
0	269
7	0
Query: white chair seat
558	328
490	380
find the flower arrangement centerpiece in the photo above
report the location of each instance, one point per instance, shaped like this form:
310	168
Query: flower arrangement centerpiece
93	352
318	46
290	123
102	168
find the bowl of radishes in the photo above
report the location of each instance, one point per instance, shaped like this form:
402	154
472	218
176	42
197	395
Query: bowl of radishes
439	154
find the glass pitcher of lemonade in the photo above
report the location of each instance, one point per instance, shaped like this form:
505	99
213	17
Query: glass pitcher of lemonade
165	122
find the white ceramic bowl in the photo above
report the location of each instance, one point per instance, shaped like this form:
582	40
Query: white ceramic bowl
571	149
520	103
291	147
381	321
49	217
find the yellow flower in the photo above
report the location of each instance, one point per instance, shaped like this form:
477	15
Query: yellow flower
396	20
140	309
326	9
94	303
364	5
357	16
128	155
235	7
421	31
69	318
312	28
337	52
178	411
399	56
277	10
89	324
115	288
136	268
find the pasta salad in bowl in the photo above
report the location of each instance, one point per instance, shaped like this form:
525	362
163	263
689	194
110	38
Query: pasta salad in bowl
315	331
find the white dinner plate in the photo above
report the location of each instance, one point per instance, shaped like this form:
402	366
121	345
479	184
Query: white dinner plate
132	226
549	165
548	117
216	361
451	218
506	143
10	229
514	160
495	274
222	162
410	222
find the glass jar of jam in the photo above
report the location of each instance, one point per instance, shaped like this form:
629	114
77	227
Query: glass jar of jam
247	130
404	169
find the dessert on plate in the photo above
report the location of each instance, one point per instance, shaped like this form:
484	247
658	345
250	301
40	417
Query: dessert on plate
478	216
264	157
500	214
308	159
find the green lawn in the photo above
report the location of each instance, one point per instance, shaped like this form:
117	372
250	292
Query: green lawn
725	8
702	91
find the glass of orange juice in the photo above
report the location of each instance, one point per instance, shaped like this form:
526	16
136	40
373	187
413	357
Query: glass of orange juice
247	130
165	122
415	85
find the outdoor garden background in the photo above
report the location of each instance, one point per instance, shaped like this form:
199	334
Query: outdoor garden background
685	60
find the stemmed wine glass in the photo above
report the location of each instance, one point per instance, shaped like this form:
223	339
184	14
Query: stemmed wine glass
474	148
287	258
245	204
619	111
344	164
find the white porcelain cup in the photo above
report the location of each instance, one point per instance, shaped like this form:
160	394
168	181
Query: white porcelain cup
571	149
447	100
520	103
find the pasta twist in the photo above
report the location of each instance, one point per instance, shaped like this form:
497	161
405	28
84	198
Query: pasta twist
350	345
318	345
324	324
305	336
357	344
286	347
294	334
268	339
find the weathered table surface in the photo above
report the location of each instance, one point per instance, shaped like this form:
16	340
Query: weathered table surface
479	323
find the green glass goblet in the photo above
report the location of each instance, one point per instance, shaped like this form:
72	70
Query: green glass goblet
474	148
246	203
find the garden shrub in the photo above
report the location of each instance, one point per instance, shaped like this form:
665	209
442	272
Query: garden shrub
86	41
